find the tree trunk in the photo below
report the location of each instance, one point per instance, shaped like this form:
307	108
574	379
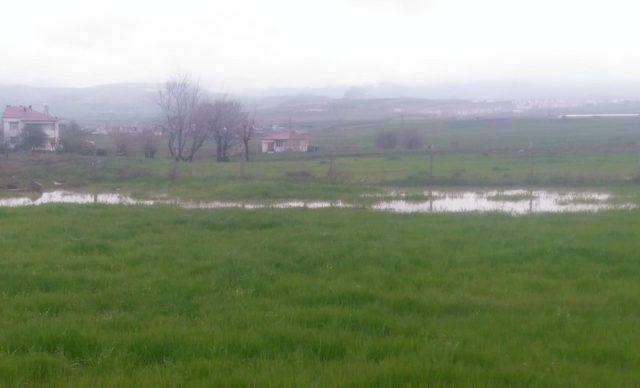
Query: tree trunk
223	153
246	150
219	150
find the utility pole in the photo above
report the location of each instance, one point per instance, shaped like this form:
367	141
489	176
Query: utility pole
638	153
331	174
530	161
431	147
94	164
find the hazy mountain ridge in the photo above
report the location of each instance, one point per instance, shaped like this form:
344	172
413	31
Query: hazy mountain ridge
116	103
478	91
130	103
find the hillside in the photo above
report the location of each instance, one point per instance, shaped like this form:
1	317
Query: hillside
115	103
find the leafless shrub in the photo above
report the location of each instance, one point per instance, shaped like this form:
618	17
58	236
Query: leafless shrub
387	140
412	139
149	143
72	138
121	141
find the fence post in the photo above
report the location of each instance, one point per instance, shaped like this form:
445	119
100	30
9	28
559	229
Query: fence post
431	162
530	161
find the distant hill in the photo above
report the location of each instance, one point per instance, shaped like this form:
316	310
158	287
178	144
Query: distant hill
114	103
131	103
476	91
126	103
515	91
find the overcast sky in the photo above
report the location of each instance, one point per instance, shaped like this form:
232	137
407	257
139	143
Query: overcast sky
253	44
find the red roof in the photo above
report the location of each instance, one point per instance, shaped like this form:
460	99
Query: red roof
285	135
26	113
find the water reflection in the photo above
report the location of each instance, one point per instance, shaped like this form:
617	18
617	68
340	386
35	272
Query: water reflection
72	197
435	201
509	201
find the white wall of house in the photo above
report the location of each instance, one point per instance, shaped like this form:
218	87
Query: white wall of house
271	146
11	131
268	146
12	128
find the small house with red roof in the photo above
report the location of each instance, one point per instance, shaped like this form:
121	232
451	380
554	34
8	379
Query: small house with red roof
15	118
285	141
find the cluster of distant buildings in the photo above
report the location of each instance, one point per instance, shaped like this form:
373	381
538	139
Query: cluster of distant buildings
124	129
491	108
16	118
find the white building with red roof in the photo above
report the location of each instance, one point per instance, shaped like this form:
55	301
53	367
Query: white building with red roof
15	118
285	141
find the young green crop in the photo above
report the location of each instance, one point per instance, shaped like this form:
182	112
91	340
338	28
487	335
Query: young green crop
159	296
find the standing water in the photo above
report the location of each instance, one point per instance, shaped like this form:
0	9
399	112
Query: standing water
436	201
509	201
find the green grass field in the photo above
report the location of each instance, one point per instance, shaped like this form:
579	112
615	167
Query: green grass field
161	296
357	136
490	134
129	296
469	153
309	177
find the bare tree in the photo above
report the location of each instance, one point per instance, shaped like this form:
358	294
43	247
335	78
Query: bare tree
226	131
247	129
412	139
149	143
387	140
179	99
191	120
121	140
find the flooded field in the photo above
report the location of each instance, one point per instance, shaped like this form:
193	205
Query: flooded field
80	198
505	201
435	201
